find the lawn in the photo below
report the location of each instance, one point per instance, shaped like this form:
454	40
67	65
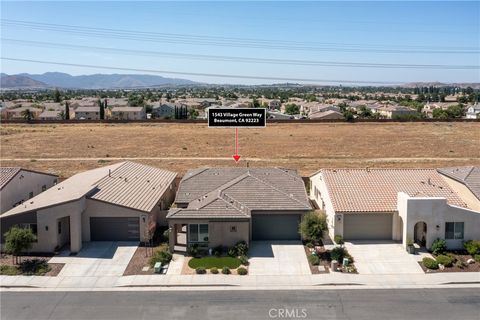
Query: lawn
217	262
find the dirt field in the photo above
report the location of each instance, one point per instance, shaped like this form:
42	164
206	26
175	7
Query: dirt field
67	149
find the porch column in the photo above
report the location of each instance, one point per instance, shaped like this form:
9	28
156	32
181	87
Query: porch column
75	232
172	236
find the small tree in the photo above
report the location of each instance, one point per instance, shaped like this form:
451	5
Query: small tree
101	105
56	95
18	240
27	114
312	225
67	111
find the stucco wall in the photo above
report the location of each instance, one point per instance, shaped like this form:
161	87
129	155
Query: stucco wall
21	185
335	227
435	212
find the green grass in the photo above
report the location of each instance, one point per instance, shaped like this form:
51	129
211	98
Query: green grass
8	270
217	262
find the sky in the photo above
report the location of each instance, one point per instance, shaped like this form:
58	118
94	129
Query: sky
188	34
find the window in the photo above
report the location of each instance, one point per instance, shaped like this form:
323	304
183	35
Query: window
454	230
198	232
30	195
44	187
233	228
59	227
31	226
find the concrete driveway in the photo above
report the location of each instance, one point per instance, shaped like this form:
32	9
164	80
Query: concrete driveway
382	257
277	258
102	258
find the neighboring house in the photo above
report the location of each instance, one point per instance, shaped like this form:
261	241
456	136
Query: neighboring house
17	113
274	105
50	115
18	185
221	206
128	113
87	113
465	181
473	112
164	110
279	116
390	111
393	204
430	106
120	202
329	114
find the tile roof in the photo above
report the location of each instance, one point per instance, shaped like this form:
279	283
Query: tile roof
7	174
469	176
375	190
127	184
242	190
127	109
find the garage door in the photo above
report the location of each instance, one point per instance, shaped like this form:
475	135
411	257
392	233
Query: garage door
114	229
367	226
275	227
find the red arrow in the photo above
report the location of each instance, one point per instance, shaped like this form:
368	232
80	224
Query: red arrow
236	157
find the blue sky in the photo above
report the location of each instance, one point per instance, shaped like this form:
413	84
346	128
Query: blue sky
390	25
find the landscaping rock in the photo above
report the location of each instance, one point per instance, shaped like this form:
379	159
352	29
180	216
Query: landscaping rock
470	261
321	269
441	267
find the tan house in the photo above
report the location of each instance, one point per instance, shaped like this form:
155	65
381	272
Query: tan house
390	112
326	115
120	202
128	113
393	204
17	113
17	185
87	113
50	115
221	206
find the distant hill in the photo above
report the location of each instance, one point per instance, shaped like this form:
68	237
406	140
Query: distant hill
19	81
474	85
99	81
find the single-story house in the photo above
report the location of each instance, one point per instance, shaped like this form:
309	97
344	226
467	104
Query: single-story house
393	204
87	113
473	112
17	185
128	113
18	113
391	111
221	206
50	115
123	201
328	114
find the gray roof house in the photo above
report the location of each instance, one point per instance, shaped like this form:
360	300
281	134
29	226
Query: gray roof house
164	110
119	202
221	206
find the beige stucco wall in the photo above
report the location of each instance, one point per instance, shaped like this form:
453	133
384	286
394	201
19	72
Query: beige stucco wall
322	198
218	231
97	208
21	185
436	212
465	194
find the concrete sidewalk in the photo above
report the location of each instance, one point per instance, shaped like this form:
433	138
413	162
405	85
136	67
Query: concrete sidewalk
66	283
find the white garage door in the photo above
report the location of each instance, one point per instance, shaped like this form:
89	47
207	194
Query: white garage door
360	226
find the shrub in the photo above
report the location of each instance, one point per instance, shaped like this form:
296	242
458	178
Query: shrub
34	267
161	256
339	239
472	247
439	246
460	264
476	257
314	260
226	270
8	270
430	263
312	225
217	251
232	252
337	253
445	260
310	245
193	250
166	235
214	270
18	240
242	248
244	260
242	271
200	270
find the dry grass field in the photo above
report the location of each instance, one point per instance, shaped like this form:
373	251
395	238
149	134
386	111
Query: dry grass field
67	149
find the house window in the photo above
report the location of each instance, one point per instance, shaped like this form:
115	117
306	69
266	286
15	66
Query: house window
44	187
30	195
59	227
198	232
233	228
454	230
31	226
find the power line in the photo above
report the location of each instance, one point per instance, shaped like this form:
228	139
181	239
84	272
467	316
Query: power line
218	75
239	59
233	42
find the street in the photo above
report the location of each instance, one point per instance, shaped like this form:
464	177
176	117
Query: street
436	304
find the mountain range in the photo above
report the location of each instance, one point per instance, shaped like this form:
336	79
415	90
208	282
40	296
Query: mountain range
94	81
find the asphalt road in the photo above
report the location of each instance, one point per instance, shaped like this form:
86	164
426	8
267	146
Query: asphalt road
385	304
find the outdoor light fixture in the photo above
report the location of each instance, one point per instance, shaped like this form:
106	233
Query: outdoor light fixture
144	218
437	227
46	228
